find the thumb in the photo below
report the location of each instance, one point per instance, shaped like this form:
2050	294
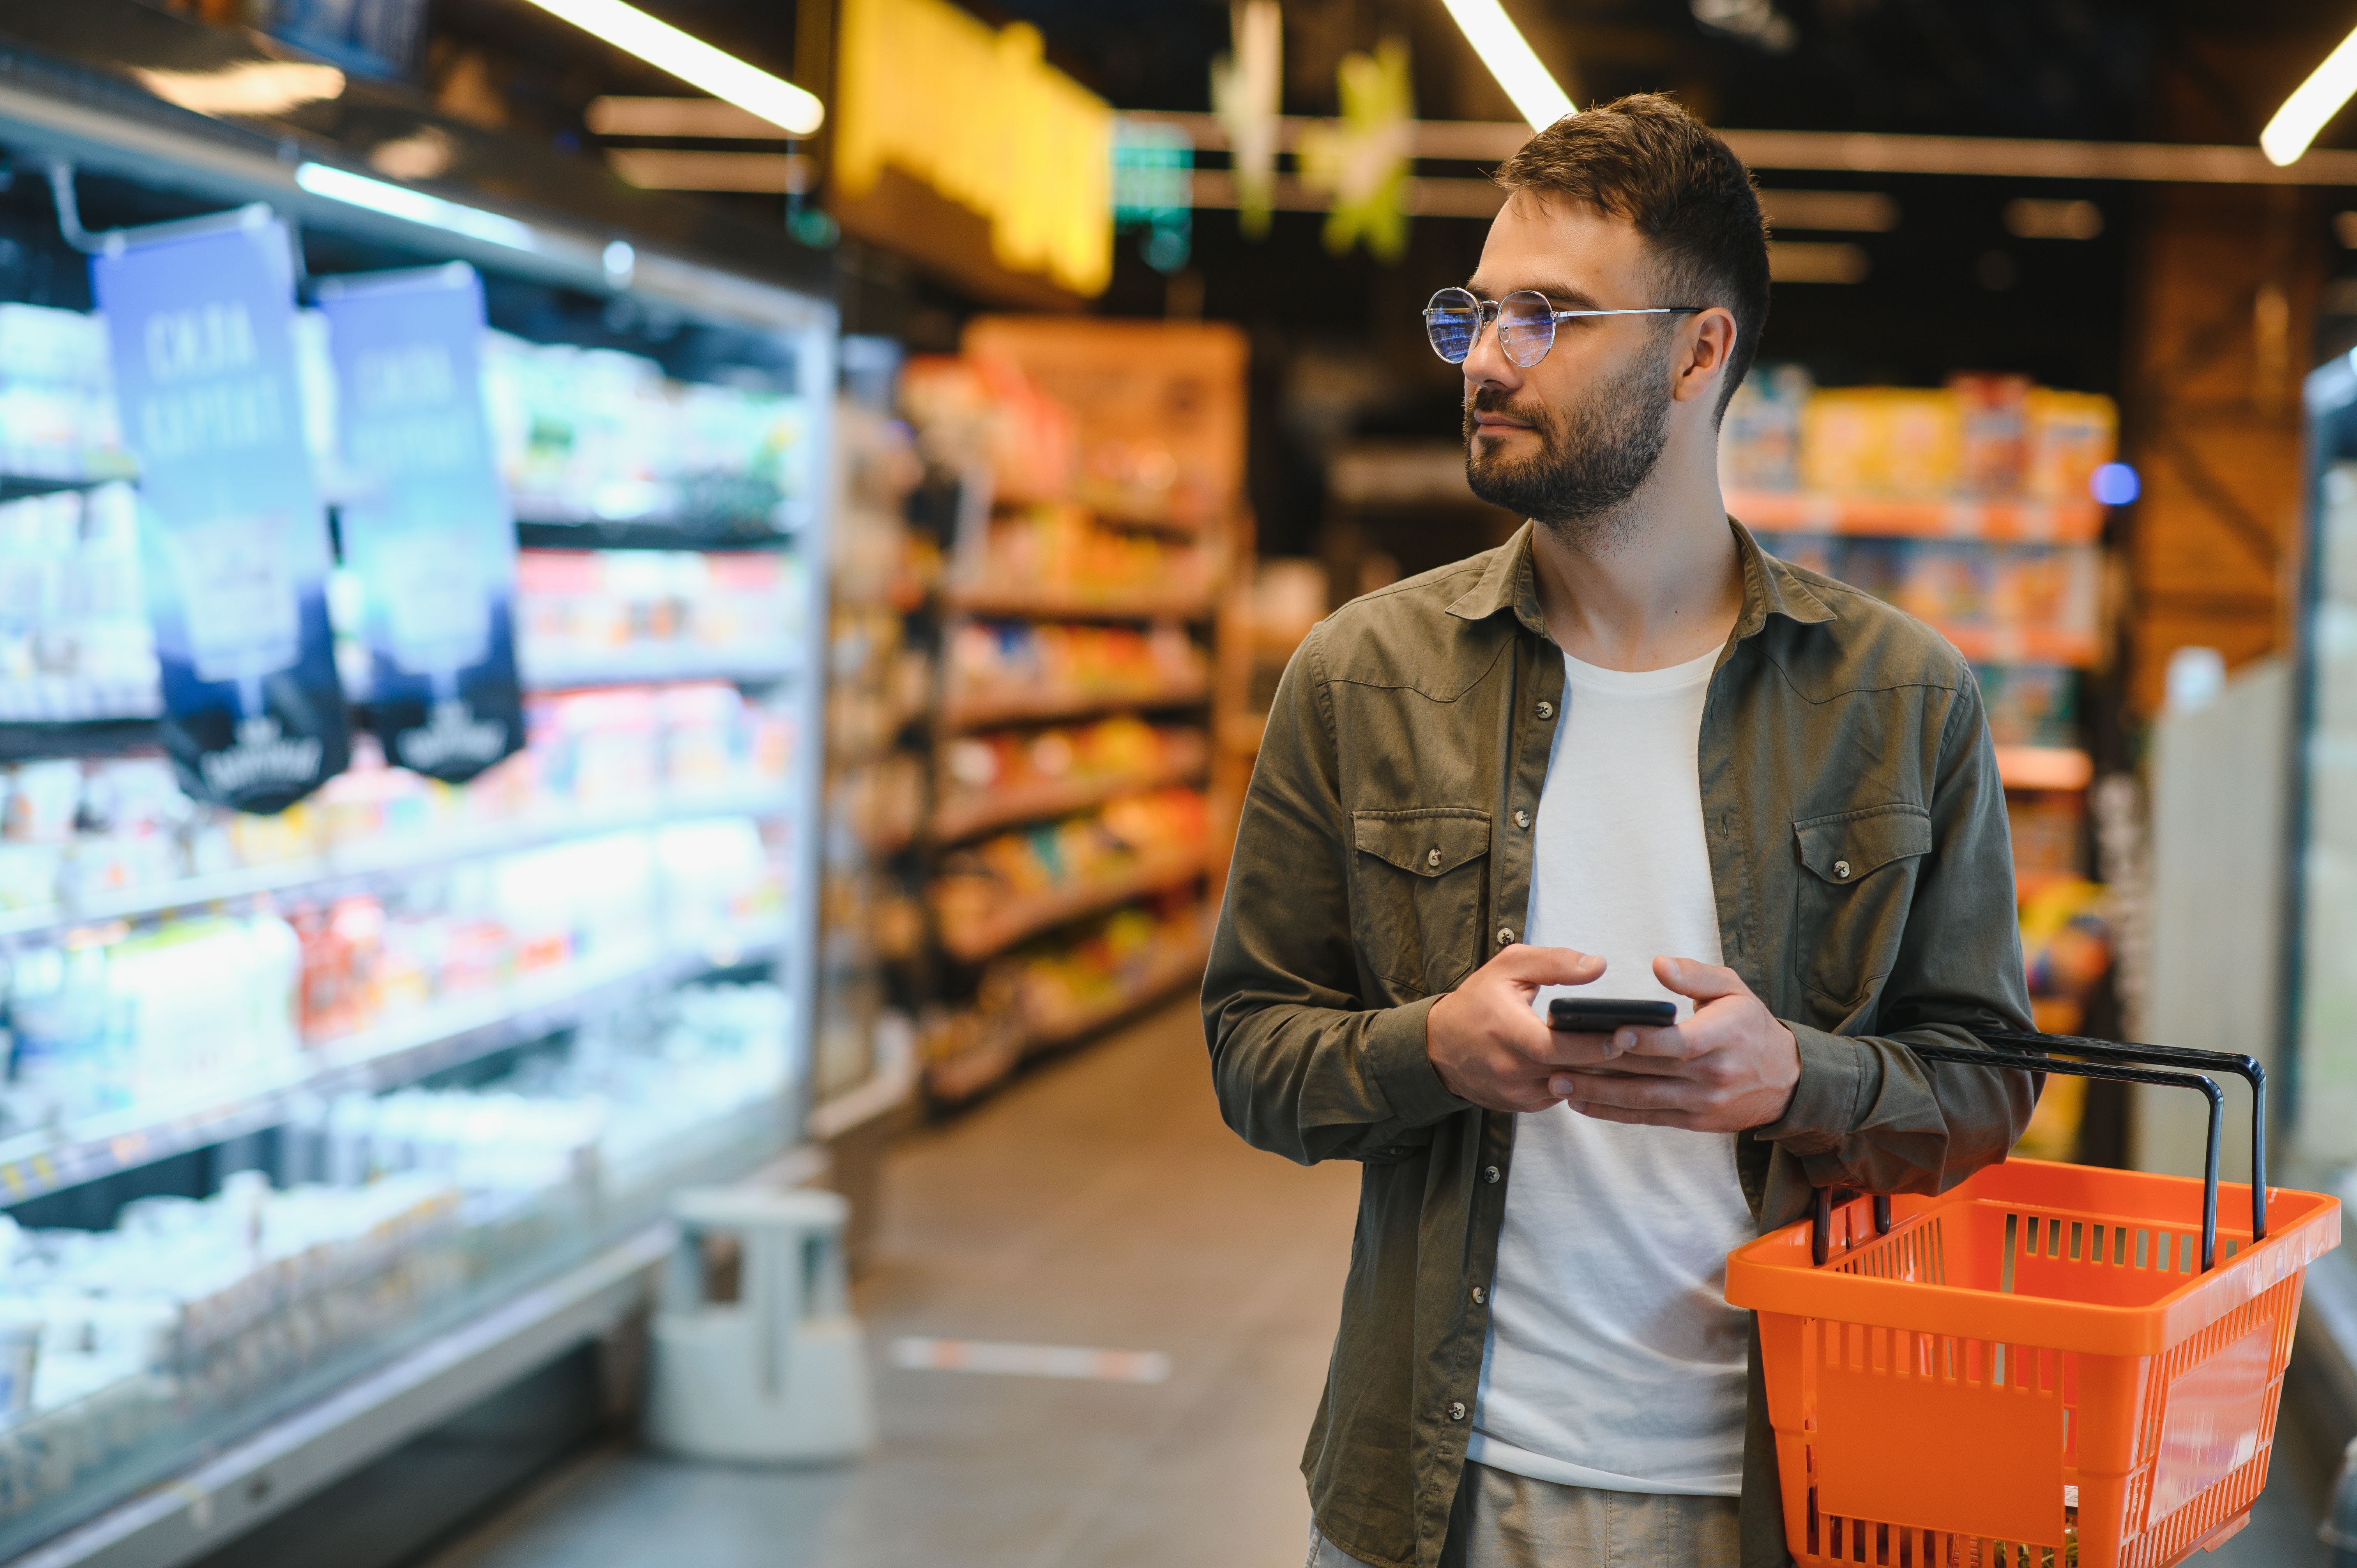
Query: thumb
1702	982
1548	966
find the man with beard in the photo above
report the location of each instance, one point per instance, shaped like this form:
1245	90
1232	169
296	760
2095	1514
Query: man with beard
1628	752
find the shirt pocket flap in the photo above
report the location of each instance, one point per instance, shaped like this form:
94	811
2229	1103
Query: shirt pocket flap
1853	845
1429	843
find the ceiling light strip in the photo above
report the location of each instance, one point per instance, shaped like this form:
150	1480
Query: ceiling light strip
693	61
1512	60
2312	105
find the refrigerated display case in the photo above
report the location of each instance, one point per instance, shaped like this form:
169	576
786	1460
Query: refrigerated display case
319	1125
2316	1079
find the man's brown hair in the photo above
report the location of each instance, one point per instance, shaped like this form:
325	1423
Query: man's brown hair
1645	158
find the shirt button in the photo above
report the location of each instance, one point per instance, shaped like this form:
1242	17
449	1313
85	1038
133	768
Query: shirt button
1522	819
1505	935
1547	710
1457	1410
1480	1294
1432	860
1490	1173
1841	868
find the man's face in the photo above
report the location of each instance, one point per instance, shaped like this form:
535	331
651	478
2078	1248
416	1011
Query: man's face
1568	440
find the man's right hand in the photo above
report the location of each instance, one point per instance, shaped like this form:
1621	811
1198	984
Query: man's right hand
1486	1041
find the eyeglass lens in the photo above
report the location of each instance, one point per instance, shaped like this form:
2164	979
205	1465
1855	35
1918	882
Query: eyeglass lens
1525	325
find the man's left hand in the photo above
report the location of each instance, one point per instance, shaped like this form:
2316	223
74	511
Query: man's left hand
1729	1066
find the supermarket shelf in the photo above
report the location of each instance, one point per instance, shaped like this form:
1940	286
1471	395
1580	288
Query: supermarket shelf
398	856
551	532
1899	517
1985	644
2044	766
1053	798
545	675
1172	968
1027	914
28	741
295	1458
1014	601
964	1076
981	710
18	487
409	1048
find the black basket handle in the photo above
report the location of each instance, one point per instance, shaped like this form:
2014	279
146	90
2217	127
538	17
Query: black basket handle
2177	1057
2117	1070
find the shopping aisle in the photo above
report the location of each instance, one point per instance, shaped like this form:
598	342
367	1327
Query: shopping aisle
1099	1202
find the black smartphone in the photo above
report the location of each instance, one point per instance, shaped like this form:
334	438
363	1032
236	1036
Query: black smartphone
1602	1015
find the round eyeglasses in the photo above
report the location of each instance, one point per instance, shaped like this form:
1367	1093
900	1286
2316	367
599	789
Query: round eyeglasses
1525	321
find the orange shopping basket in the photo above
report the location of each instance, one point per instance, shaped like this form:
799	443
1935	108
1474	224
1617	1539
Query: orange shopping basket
2047	1365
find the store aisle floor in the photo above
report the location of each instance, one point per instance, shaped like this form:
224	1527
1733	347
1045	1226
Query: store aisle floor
1098	1202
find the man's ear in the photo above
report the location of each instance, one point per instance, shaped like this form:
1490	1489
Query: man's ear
1708	347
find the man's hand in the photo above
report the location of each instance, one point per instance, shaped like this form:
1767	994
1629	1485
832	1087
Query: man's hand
1487	1043
1729	1067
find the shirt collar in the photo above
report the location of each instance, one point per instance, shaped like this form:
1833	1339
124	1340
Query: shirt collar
1769	587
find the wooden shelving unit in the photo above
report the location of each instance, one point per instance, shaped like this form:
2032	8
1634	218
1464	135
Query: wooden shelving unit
1156	415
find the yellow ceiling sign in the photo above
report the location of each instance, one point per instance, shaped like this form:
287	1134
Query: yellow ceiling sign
981	118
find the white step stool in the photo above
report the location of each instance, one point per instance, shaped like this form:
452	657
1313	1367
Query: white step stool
780	1375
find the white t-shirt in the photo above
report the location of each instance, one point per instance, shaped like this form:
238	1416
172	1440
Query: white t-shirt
1614	1360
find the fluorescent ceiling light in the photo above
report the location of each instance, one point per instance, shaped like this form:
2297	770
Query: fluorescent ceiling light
2311	104
683	117
693	61
258	87
400	201
1508	55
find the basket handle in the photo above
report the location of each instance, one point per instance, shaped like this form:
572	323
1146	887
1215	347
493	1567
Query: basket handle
2242	1067
1821	1219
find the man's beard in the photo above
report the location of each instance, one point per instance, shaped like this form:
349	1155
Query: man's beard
1591	458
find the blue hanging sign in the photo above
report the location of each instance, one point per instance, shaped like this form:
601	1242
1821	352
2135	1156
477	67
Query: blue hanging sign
233	543
424	519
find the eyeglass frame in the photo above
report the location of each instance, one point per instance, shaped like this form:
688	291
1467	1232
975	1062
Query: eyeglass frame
1489	311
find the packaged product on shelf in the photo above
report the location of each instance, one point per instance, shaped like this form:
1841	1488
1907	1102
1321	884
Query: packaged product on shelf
588	435
108	1018
1886	440
970	414
1059	548
74	637
1009	764
1059	987
1994	415
385	1211
84	832
1162	827
2029	705
2048	828
2070	435
58	417
607	613
1760	439
209	1001
1022	660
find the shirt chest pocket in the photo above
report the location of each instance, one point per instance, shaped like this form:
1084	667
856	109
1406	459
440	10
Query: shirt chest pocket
1419	887
1858	871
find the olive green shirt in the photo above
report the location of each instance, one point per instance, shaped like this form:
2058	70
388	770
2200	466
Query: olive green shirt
1864	880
